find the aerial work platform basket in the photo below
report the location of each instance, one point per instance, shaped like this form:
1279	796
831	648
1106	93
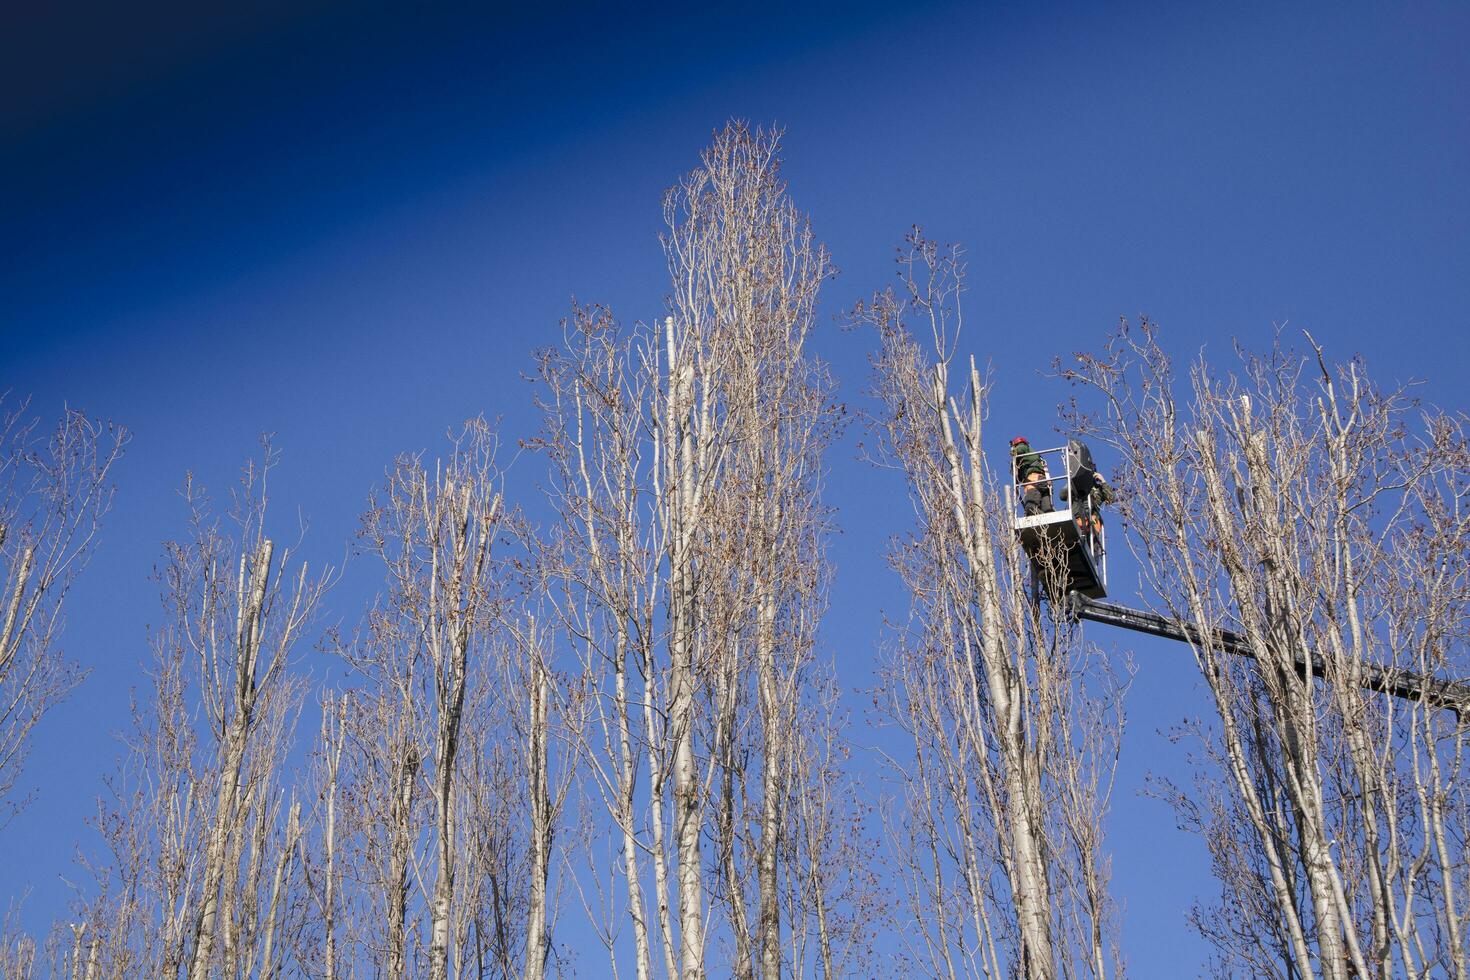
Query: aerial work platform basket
1065	524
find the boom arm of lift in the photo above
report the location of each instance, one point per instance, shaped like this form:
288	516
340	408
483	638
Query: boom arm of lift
1406	684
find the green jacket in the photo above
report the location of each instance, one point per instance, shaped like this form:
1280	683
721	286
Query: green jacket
1026	462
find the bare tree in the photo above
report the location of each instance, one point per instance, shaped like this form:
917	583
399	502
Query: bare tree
602	554
746	272
54	491
781	400
199	870
237	611
458	785
321	848
1309	511
383	813
153	822
541	714
17	948
496	812
434	532
833	895
1013	751
687	468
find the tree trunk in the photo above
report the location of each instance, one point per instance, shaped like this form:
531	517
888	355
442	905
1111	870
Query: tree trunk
401	840
772	759
246	650
688	810
541	829
1029	889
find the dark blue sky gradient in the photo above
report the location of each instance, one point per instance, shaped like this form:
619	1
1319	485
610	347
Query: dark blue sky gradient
352	227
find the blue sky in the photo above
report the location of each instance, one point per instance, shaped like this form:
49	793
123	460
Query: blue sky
352	227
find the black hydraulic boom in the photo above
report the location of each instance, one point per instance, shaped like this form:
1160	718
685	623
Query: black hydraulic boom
1398	683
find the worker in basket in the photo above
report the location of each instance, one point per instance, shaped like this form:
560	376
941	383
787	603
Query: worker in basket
1100	494
1031	477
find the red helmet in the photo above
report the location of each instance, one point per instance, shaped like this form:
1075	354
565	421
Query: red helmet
1020	439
